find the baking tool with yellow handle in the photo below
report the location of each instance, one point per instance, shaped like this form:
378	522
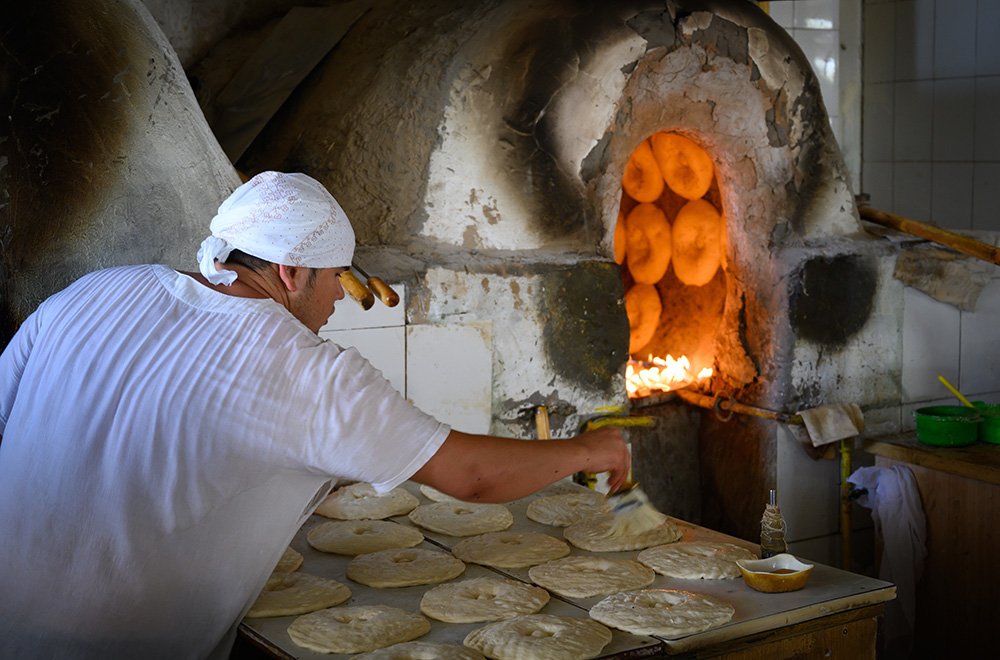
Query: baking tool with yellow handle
357	290
956	392
378	286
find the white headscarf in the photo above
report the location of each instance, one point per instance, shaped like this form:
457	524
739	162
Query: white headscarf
288	219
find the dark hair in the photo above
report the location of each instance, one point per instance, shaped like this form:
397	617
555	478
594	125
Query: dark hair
259	265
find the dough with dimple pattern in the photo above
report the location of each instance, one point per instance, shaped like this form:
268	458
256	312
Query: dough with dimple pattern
290	593
356	629
357	537
540	637
462	518
693	561
482	599
405	567
359	501
592	535
583	576
510	549
662	612
566	509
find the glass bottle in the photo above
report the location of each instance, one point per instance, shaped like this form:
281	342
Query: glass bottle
772	529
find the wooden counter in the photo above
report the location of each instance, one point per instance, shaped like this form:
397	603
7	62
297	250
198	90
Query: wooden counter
960	494
837	612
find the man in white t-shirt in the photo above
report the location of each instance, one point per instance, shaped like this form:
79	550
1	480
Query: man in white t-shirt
165	434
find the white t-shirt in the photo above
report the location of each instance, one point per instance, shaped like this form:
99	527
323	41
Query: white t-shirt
162	443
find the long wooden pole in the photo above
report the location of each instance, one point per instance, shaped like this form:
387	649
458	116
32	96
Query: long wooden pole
963	244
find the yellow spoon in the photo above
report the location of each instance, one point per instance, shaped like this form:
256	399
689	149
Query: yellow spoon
956	392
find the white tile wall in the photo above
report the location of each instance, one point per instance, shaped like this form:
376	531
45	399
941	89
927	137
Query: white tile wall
954	119
912	117
813	515
980	364
954	38
988	117
931	347
914	40
911	190
877	129
449	373
951	194
986	196
987	29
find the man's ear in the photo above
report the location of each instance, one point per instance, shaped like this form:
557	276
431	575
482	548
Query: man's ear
289	276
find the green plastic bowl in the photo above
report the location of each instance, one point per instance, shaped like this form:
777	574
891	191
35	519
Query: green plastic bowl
989	425
947	426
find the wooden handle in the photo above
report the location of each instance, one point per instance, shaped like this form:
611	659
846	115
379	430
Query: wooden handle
963	244
356	289
383	291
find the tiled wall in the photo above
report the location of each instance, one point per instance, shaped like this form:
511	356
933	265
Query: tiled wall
931	125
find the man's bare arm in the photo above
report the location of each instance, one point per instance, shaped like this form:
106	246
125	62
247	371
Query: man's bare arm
483	468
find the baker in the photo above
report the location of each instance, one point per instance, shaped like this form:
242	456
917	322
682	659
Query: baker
165	434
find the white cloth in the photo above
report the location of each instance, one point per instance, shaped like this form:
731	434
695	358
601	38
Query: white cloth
288	219
162	443
900	524
828	424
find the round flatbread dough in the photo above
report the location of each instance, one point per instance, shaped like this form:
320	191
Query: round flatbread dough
568	508
360	502
643	307
404	568
694	561
356	629
434	495
540	637
422	651
462	518
482	599
662	612
642	180
592	535
510	549
583	576
686	168
647	243
358	537
698	237
286	594
290	561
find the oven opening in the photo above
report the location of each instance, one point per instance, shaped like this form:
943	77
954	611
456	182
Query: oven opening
670	241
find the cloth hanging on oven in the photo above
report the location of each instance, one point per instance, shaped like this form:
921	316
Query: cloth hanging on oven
832	423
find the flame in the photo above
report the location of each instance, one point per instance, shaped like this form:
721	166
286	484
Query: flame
660	374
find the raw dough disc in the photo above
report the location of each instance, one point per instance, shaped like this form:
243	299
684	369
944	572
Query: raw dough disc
510	549
404	568
462	518
693	561
583	576
643	307
540	637
566	509
358	537
290	560
434	495
356	629
482	599
592	535
642	180
360	502
422	651
285	594
647	243
662	612
698	238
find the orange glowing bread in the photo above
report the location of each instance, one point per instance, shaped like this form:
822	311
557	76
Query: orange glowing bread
699	236
620	239
686	167
647	243
642	179
643	306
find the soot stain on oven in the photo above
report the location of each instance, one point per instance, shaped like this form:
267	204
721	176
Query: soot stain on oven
586	329
832	298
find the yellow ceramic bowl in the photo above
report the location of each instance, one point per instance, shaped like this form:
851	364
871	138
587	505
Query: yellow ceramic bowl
775	574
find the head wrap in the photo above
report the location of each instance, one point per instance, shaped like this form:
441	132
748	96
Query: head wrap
288	219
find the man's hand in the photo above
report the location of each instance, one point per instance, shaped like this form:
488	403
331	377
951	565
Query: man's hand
484	468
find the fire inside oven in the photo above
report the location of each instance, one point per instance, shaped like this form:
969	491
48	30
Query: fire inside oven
670	241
